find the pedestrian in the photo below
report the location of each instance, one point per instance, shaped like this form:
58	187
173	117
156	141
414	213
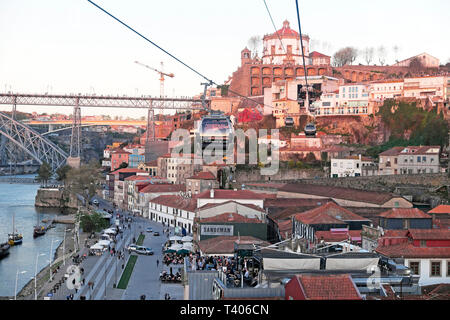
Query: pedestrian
76	290
83	281
157	263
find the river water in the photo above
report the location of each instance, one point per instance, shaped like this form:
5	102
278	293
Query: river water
18	200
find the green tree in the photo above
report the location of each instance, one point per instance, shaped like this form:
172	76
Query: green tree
85	180
44	173
93	222
61	173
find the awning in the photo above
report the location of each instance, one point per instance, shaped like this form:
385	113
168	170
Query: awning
96	247
291	264
104	243
109	231
175	238
187	239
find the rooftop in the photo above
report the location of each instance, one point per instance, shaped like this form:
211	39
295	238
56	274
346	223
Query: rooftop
204	175
234	194
230	217
441	209
402	213
214	205
176	201
339	193
164	187
407	250
328	287
225	244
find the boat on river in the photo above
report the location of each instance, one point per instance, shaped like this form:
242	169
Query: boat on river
4	249
14	238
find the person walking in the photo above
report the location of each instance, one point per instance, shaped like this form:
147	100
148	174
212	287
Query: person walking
157	263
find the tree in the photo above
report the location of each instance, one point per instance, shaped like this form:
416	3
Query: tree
93	222
85	180
396	49
254	43
416	66
61	172
368	54
381	54
310	157
345	56
44	173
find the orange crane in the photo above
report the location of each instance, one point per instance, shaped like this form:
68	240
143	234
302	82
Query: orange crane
162	74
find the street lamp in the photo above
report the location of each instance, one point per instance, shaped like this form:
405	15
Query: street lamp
35	274
17	277
64	245
105	281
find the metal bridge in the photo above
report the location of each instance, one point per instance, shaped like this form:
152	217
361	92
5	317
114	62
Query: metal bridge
41	149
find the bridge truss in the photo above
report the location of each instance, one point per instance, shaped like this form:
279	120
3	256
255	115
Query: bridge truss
11	127
29	141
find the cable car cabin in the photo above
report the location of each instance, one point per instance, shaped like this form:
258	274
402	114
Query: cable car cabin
310	129
215	128
289	122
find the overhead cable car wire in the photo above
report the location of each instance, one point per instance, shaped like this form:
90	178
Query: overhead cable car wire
276	32
172	56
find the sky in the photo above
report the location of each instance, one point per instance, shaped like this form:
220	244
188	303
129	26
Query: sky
71	46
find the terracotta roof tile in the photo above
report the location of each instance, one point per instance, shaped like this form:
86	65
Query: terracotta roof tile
230	217
333	236
248	205
204	175
225	244
429	234
407	250
401	213
328	287
443	208
231	194
164	187
128	170
339	193
329	213
176	201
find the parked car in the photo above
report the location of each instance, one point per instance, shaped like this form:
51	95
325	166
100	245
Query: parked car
149	229
144	250
132	247
156	233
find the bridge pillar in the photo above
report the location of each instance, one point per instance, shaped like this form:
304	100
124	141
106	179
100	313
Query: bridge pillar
75	147
150	132
14	107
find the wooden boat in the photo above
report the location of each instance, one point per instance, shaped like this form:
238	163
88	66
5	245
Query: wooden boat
14	238
4	250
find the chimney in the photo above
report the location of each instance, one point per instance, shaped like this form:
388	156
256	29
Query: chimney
211	194
360	157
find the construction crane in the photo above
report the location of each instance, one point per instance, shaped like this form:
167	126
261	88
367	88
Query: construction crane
161	73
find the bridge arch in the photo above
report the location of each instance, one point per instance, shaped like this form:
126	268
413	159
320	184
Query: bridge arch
31	142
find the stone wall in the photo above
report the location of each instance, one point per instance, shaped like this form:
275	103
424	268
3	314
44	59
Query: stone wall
54	198
243	176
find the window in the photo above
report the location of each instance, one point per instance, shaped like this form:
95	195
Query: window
448	268
415	267
423	243
424	159
418	158
435	269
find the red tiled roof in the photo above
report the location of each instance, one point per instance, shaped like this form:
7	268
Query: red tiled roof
443	208
395	151
316	54
407	250
286	30
120	151
328	287
139	178
248	205
283	227
329	213
399	213
225	244
395	233
230	217
339	193
153	163
204	175
176	201
331	236
429	234
164	187
231	194
295	202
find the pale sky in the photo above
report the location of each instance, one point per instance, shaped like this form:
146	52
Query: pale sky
70	46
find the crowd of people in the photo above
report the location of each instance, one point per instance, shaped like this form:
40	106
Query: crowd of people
228	265
173	258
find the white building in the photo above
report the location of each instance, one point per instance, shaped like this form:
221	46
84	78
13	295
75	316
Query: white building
349	167
174	211
275	52
381	90
351	99
427	60
222	195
